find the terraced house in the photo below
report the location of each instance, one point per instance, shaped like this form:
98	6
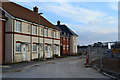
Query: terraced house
28	35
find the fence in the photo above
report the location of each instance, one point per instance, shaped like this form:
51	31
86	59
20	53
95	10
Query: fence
105	57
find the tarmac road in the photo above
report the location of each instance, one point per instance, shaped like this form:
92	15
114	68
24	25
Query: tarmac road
72	67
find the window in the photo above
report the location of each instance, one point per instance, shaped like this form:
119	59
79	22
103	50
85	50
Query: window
41	31
67	46
46	48
34	48
58	35
34	30
18	26
29	28
54	33
51	33
63	46
18	47
46	33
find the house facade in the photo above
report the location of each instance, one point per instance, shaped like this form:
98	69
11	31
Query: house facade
68	40
28	35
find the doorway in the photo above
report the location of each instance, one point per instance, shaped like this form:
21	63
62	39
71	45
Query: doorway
24	51
49	51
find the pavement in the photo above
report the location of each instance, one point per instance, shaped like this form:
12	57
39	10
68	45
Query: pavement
71	67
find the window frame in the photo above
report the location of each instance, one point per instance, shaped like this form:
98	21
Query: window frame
18	48
34	48
34	30
29	28
46	32
18	26
41	32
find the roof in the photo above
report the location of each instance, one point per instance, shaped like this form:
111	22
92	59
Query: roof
67	30
18	11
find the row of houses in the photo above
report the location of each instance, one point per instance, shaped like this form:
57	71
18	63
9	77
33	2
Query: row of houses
26	35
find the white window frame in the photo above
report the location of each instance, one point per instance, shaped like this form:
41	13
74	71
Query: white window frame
29	28
34	30
18	26
46	32
41	31
18	48
34	48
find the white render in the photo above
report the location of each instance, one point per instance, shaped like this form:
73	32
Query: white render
11	40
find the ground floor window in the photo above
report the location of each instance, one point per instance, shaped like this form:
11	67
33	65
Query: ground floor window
34	48
18	47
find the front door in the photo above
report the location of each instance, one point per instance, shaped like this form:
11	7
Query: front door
24	52
49	52
57	49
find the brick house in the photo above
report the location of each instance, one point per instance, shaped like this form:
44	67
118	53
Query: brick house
28	35
68	40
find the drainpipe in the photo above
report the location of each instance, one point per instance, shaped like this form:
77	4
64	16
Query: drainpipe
31	43
13	41
53	44
43	45
38	39
3	28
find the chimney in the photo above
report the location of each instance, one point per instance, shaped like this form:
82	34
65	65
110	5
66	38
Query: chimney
58	22
35	9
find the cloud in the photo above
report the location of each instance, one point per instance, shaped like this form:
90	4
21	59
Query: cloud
79	14
75	13
114	6
92	37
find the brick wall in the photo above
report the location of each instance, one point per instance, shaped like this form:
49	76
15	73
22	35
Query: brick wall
1	42
65	46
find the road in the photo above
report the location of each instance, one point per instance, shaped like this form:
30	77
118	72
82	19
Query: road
72	67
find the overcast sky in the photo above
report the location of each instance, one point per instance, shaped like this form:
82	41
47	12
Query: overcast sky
92	21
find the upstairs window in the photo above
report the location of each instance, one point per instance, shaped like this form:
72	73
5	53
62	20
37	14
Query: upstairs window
54	33
46	33
29	28
42	31
18	26
34	30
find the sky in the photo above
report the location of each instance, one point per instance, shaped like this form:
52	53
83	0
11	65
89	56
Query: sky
92	21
